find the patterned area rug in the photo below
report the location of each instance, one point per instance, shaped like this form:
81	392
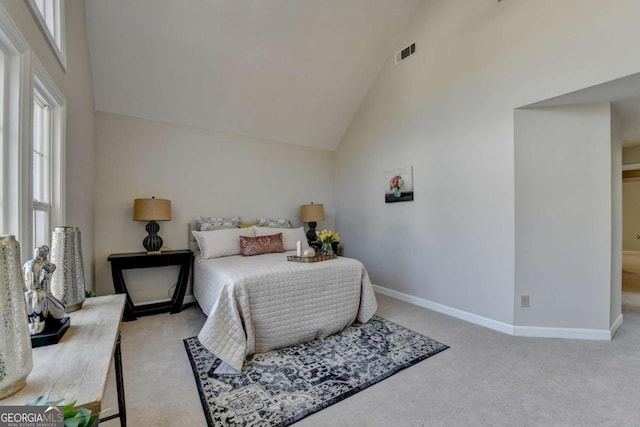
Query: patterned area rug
283	386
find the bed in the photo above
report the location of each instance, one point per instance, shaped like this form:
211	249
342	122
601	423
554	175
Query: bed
259	303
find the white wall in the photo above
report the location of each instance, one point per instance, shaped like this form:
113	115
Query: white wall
563	216
616	218
77	88
203	173
448	111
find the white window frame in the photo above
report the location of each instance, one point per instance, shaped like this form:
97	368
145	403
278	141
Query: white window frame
44	85
16	132
43	203
57	38
22	72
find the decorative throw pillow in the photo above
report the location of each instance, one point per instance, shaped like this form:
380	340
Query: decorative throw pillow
289	236
274	223
219	243
243	225
261	245
205	223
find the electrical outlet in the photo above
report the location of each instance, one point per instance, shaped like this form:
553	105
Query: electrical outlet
524	301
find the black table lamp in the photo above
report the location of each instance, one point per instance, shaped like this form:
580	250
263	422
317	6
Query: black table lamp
312	214
152	210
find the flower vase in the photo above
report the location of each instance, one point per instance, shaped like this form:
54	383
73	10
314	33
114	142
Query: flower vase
15	352
326	249
397	192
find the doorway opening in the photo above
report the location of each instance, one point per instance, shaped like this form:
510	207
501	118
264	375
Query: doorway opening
630	229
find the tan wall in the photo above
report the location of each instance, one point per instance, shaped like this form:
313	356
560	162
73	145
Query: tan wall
631	155
631	215
203	173
631	203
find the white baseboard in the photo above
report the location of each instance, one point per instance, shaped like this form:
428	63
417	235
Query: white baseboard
453	312
188	299
520	331
616	325
568	333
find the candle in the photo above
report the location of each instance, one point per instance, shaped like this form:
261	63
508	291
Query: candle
298	248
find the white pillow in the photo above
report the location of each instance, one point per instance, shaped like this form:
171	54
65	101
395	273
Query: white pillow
223	242
289	236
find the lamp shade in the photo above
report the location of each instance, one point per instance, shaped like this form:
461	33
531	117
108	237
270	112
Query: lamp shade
312	213
152	209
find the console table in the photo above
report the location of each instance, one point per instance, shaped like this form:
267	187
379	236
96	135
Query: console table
126	261
77	367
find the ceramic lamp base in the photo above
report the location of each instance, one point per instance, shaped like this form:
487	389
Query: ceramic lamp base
153	242
311	233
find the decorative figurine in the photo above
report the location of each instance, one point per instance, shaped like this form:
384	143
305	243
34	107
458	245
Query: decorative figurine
41	304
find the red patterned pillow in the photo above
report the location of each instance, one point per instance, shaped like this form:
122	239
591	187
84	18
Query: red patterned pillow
261	245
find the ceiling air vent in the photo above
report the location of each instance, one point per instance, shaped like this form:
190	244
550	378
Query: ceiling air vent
403	54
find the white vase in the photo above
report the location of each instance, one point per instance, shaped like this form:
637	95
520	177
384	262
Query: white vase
15	352
67	282
308	252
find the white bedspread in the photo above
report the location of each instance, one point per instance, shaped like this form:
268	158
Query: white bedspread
266	302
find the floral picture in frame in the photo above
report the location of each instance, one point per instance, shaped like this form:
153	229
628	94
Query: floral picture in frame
399	185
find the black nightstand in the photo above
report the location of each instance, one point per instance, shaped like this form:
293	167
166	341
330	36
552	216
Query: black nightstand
317	245
128	261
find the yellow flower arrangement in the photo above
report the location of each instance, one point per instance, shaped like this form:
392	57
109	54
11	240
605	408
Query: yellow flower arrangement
327	236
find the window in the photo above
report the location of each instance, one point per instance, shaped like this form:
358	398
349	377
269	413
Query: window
40	169
50	11
47	157
15	95
50	17
32	141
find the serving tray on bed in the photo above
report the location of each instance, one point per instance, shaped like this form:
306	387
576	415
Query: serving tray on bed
316	258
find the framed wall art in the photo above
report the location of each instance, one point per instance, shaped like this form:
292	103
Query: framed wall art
399	185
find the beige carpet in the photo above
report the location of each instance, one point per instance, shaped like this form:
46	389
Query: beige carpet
485	379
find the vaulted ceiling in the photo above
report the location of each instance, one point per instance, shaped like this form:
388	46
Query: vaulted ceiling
293	71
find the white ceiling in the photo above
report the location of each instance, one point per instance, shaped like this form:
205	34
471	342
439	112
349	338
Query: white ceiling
622	93
629	111
293	71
